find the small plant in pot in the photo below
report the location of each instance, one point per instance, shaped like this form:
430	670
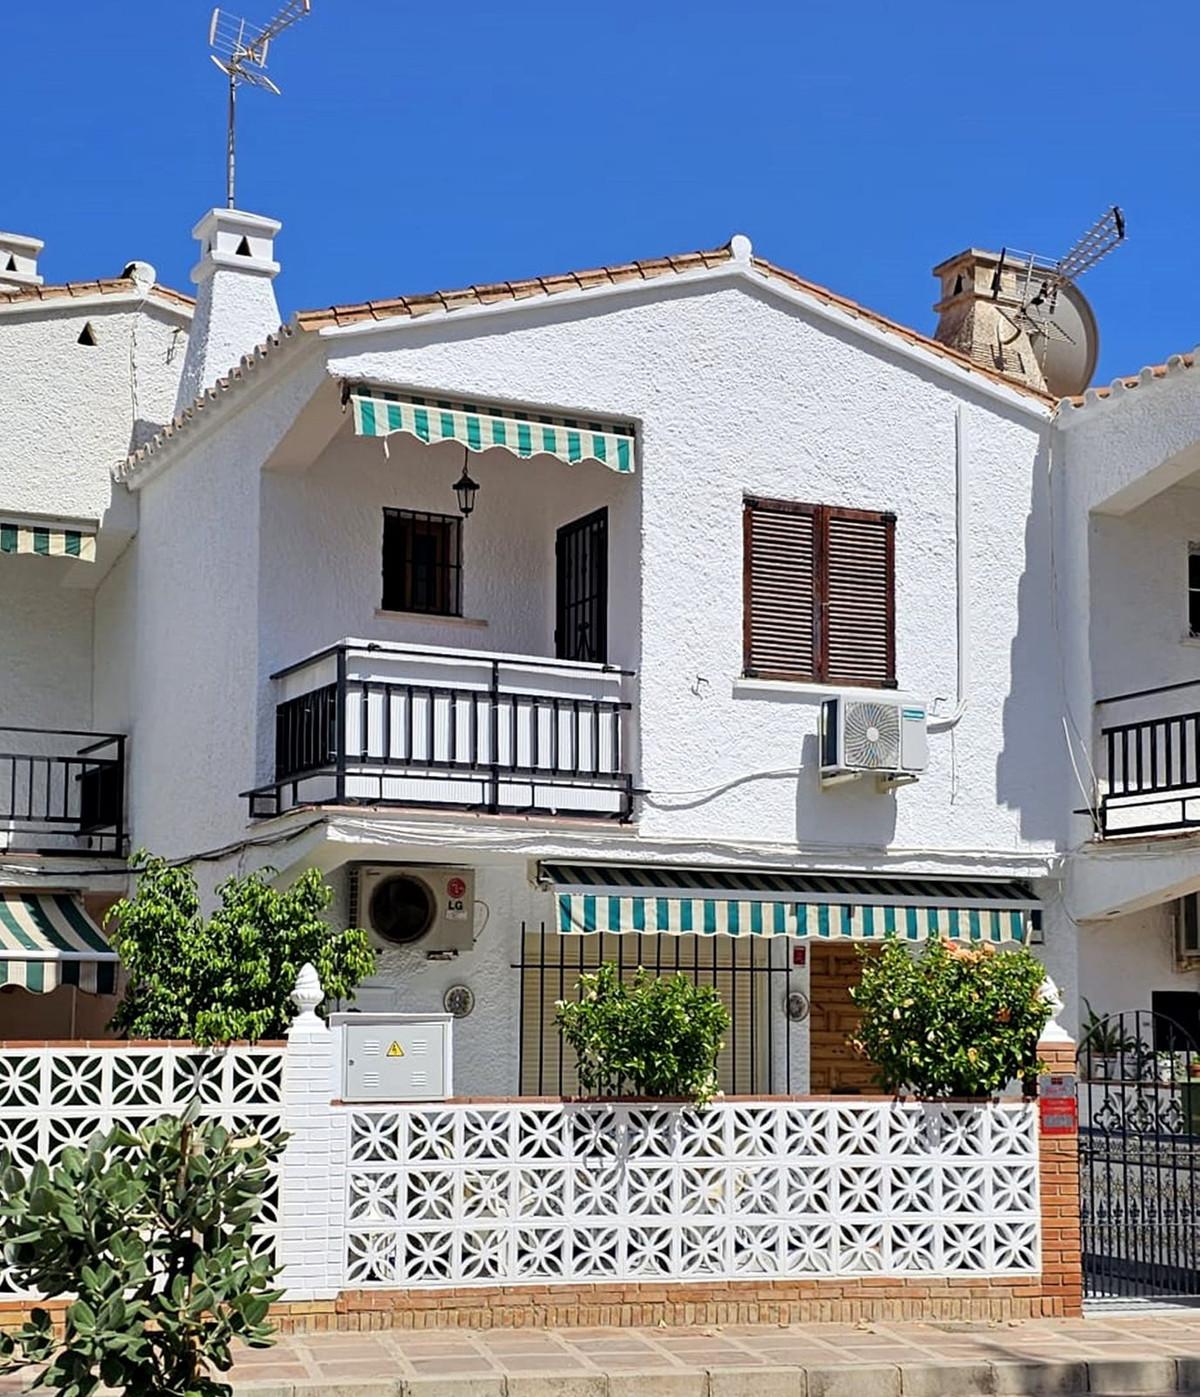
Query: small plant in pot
1104	1043
950	1020
647	1035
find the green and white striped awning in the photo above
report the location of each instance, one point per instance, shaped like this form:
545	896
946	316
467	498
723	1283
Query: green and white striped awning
47	940
50	541
480	428
681	902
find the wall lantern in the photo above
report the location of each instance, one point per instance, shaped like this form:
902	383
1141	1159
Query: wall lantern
466	489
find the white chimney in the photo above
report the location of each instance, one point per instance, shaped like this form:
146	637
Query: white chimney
235	299
18	261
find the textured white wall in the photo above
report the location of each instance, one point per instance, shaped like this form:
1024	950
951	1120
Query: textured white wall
1122	961
46	644
68	412
738	394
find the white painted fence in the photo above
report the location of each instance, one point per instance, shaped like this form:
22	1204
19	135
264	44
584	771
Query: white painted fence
461	1195
55	1097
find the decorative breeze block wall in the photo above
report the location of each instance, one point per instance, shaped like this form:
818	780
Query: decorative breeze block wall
513	1194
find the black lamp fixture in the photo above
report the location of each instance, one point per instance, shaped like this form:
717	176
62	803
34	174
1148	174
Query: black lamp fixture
465	488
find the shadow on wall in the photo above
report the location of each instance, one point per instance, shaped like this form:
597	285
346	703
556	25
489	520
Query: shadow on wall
1034	776
855	813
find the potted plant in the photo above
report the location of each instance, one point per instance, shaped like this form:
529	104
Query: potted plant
951	1020
1104	1043
647	1036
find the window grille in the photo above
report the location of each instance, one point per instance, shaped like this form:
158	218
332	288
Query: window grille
422	562
752	976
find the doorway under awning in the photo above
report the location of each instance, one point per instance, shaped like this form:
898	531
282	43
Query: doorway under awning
48	940
616	899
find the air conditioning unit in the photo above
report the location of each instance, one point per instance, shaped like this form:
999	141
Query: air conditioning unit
1187	932
429	909
883	737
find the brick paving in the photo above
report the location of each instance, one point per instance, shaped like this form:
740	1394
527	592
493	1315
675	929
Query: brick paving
1148	1352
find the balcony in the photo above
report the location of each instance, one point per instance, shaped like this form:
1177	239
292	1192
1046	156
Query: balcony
62	791
393	725
1150	779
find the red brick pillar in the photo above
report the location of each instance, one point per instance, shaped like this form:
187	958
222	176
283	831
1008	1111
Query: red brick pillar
1062	1260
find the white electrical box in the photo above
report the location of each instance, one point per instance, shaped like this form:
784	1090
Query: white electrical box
396	1057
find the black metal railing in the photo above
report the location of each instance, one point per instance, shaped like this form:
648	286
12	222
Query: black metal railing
490	744
62	791
751	975
1151	772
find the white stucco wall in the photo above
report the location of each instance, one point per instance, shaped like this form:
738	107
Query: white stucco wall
69	412
46	644
1122	962
738	394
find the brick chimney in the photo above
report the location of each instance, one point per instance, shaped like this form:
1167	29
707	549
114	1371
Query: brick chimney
977	315
235	298
18	261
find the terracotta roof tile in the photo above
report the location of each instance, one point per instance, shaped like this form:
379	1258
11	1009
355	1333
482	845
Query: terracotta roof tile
102	286
648	269
1148	374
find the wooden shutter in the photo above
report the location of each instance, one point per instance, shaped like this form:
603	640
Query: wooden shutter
859	642
819	585
780	541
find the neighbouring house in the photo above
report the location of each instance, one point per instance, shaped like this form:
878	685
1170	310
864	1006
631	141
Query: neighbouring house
551	619
88	372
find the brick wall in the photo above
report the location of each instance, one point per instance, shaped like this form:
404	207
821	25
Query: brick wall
1062	1259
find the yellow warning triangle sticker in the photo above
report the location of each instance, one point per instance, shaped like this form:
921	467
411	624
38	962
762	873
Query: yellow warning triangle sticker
395	1050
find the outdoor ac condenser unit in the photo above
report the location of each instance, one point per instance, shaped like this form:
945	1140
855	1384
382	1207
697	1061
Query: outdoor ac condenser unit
429	909
883	737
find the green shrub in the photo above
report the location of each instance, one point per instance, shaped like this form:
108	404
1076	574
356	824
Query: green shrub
152	1237
229	976
951	1020
649	1036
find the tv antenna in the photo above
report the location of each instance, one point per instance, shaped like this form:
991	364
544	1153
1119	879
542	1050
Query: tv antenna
240	51
1052	310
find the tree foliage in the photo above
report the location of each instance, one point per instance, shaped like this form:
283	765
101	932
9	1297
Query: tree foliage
229	976
652	1036
150	1236
952	1020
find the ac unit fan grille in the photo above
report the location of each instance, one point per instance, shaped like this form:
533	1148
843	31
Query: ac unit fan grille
872	736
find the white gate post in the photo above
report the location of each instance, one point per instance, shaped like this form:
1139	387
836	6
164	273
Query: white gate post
312	1181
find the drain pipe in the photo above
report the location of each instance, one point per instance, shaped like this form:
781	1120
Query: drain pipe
943	722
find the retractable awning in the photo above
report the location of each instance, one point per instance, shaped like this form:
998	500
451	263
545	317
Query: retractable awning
679	902
378	413
49	540
47	940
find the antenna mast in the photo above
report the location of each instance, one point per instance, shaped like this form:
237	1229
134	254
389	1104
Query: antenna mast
241	54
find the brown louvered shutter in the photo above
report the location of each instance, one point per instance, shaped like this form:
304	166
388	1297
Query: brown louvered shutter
780	541
859	632
819	590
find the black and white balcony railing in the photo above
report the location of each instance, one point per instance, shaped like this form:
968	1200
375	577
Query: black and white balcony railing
1150	780
62	791
379	724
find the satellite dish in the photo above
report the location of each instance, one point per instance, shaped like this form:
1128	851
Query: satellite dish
1066	341
1055	314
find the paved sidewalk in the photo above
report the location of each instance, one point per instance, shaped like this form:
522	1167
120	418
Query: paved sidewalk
1156	1353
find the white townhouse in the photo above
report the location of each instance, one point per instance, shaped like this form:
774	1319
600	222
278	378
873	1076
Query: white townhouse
679	613
88	372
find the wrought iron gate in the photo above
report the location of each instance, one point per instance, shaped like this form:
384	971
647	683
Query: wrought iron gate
1139	1157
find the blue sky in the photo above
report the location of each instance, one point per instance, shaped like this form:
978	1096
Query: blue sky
418	146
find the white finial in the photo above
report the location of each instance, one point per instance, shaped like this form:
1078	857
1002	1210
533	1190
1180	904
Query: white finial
1054	1032
741	247
307	995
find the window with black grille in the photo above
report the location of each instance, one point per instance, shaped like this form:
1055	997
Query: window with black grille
819	593
422	562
